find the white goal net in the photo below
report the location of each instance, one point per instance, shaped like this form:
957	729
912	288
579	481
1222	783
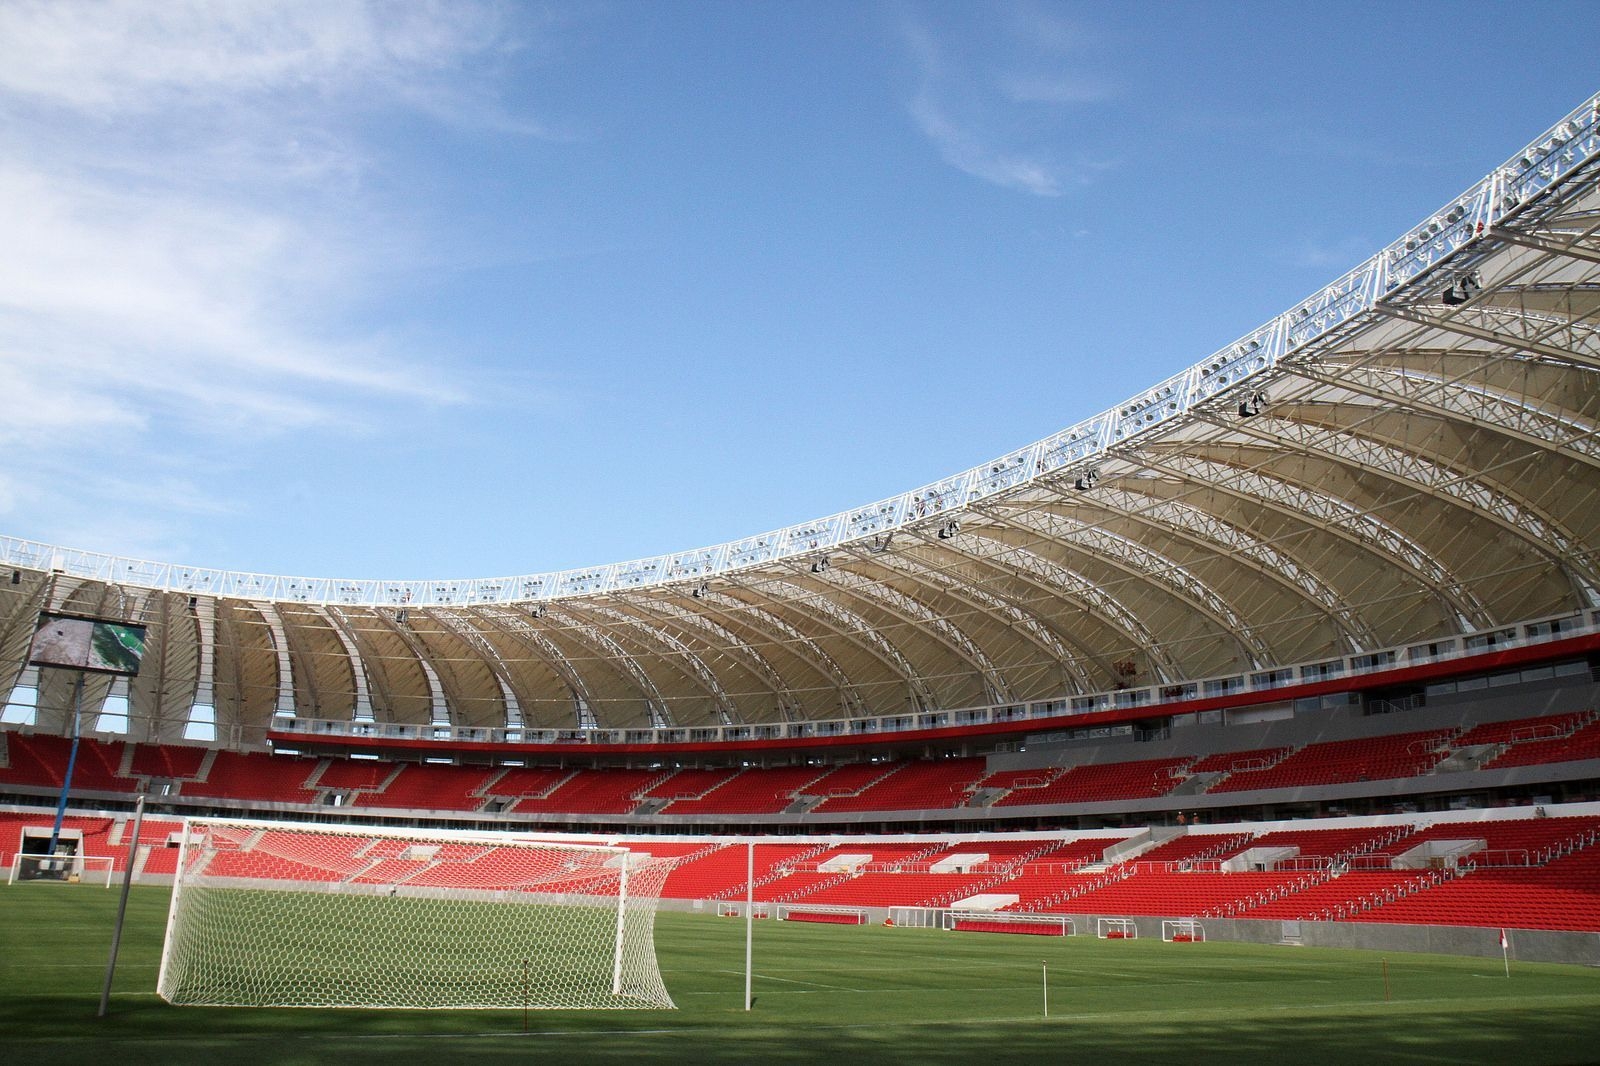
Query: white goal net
284	915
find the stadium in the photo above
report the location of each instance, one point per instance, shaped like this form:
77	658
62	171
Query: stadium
1296	647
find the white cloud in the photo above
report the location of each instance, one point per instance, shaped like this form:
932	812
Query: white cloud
999	115
121	56
184	233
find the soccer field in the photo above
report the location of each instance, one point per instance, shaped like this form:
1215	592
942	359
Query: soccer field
828	993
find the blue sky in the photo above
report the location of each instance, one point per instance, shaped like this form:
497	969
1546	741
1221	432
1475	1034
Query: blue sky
463	289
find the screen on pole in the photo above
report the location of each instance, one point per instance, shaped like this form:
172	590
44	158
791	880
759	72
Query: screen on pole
79	643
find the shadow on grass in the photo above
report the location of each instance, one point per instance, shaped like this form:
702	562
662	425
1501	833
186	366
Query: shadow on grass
141	1031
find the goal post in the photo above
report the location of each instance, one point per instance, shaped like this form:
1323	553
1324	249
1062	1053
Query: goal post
1117	929
62	869
298	915
1182	931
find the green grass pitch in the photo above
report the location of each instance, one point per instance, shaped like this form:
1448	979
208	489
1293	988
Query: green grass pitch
827	994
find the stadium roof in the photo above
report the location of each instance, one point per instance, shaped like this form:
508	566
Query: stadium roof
1411	452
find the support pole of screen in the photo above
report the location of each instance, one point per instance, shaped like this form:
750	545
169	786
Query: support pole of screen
122	907
72	761
749	914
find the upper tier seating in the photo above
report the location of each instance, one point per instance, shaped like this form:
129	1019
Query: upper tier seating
519	781
167	761
425	787
351	774
1107	781
753	791
1343	761
593	792
1582	743
40	759
253	776
689	784
935	785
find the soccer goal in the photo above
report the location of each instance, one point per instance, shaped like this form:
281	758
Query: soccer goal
1117	929
1009	922
1182	931
62	869
284	915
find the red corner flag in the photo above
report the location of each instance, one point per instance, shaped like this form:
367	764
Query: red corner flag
1502	940
1504	958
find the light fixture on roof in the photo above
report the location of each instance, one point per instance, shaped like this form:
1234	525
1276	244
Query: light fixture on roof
1252	407
880	543
949	529
1086	482
819	565
700	590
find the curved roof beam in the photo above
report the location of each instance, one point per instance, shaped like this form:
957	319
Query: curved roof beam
439	707
1454	402
846	623
919	614
677	651
1063	583
458	625
727	643
1337	518
767	622
1462	489
342	629
1147	566
1020	621
1456	324
580	630
526	633
1204	530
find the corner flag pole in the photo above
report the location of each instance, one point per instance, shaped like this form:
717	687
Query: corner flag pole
749	912
1044	971
1505	956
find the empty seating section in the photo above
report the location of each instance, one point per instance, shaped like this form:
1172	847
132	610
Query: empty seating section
1228	762
1321	846
1188	847
851	778
1326	899
720	873
752	791
1582	743
688	784
1511	842
1343	761
593	792
40	760
253	776
1107	781
1559	895
167	761
936	785
351	774
1520	730
425	787
1033	777
1177	895
519	781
